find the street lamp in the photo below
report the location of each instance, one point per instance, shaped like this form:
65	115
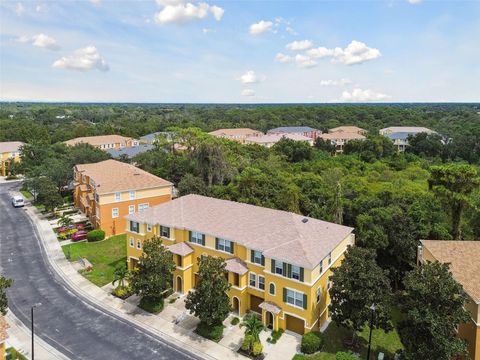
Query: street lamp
372	308
33	334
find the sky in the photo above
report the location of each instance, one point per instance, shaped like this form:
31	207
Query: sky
176	51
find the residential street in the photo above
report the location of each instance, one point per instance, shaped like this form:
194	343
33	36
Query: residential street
73	326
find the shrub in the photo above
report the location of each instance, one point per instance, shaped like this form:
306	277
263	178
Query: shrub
11	177
214	332
235	321
276	334
257	348
247	342
95	235
122	292
153	306
345	356
311	342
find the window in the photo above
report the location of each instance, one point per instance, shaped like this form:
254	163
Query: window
132	195
131	209
329	258
97	198
271	289
132	242
142	207
165	232
236	279
256	257
329	283
139	244
134	226
149	227
321	266
197	238
253	280
319	294
114	212
295	272
261	282
295	298
224	245
278	268
117	196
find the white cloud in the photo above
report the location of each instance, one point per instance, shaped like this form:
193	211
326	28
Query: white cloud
251	78
260	27
304	61
320	52
207	30
360	95
87	58
248	92
180	12
356	52
96	2
414	2
300	45
290	30
40	8
283	58
40	40
341	82
19	9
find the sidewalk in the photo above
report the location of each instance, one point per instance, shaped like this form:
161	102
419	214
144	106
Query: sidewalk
172	333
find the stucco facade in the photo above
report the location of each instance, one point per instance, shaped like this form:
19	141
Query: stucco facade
9	154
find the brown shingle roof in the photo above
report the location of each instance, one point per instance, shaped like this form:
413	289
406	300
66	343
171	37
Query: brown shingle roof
270	306
341	135
111	176
347	128
236	266
10	146
181	248
278	234
3	329
98	140
464	260
235	132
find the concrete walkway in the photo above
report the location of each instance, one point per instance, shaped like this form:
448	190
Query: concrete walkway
177	335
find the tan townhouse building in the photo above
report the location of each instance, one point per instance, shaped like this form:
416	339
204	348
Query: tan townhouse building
104	142
9	154
239	134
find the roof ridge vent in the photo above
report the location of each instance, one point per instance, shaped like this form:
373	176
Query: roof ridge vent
304	220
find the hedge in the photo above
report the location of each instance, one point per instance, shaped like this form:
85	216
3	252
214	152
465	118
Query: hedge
95	235
311	342
214	332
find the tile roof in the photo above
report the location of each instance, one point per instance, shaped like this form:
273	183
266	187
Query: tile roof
274	138
406	129
464	259
347	128
292	129
112	175
281	235
10	146
181	248
342	136
3	329
98	140
130	152
236	266
270	306
235	131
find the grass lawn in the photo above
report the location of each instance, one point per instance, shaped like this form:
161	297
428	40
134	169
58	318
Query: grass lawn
26	194
387	343
105	257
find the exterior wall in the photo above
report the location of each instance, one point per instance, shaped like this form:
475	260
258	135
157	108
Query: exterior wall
2	350
313	316
5	161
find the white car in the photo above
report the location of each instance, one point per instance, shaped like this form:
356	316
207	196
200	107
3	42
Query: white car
17	201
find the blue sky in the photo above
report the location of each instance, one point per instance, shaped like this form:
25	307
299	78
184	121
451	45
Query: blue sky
240	51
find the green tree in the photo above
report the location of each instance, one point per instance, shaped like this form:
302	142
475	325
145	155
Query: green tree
423	144
324	145
372	148
211	163
65	220
454	183
357	284
293	151
253	327
191	184
210	302
433	305
153	276
120	276
4	284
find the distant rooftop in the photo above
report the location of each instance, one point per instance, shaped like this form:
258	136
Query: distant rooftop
130	152
406	129
152	136
340	135
235	132
273	138
348	129
98	140
293	129
10	146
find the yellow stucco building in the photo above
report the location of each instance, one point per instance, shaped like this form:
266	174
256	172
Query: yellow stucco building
9	153
3	336
464	260
278	263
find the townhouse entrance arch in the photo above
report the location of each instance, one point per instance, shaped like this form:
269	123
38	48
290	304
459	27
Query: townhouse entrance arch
179	285
236	305
269	319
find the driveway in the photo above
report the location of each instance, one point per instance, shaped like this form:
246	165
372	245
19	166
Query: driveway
73	326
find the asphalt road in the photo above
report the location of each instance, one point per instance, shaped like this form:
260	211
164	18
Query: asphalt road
73	326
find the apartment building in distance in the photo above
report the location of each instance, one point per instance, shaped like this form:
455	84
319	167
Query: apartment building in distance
279	263
240	134
399	134
104	142
296	130
109	190
340	138
269	140
9	153
464	260
3	336
348	129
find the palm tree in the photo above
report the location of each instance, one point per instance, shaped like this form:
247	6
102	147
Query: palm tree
253	327
65	221
121	275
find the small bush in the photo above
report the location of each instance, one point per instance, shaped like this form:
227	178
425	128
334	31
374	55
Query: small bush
311	342
153	306
247	342
276	334
11	177
345	356
214	332
172	300
95	235
235	321
122	292
299	357
257	348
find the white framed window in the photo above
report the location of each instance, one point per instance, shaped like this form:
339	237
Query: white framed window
278	267
131	209
142	207
132	195
118	196
165	232
139	245
132	242
294	298
114	212
261	282
295	272
271	288
149	227
134	226
256	257
318	294
253	280
196	237
224	245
